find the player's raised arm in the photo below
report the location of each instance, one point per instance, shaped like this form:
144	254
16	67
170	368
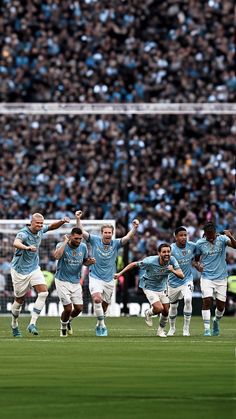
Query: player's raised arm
57	224
78	216
131	265
60	250
131	233
232	242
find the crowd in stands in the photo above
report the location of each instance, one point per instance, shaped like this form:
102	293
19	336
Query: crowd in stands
164	170
117	51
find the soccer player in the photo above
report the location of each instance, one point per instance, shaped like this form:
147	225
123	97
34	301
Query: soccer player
101	277
154	283
211	252
178	289
71	255
25	270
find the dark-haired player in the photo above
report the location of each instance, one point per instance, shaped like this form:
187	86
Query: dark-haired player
211	252
154	283
178	289
71	255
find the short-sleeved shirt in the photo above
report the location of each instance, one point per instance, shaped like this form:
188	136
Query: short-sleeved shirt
184	256
141	273
26	261
213	257
105	255
70	264
156	275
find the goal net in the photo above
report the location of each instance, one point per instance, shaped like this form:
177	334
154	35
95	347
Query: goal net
8	231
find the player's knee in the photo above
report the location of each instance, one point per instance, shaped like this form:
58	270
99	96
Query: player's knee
174	308
165	311
157	308
97	299
220	305
68	309
20	300
78	309
206	303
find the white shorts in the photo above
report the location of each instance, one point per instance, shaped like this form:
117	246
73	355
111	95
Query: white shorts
22	283
69	293
216	289
183	291
155	296
102	287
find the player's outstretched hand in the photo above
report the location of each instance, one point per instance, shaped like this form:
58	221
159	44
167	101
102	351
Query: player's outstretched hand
228	233
90	261
198	266
66	219
135	223
116	276
78	214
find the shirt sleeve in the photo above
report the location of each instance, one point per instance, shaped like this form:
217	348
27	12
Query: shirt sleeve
197	250
92	239
21	236
225	239
118	243
142	263
175	263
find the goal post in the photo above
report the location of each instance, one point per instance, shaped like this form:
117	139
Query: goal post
8	231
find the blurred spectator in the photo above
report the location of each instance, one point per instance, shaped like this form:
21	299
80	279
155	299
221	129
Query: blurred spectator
117	51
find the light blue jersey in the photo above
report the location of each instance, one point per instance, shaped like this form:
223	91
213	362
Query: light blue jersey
26	261
184	256
70	264
156	275
105	255
141	273
213	257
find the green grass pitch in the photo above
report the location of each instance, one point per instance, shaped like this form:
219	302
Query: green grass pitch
129	374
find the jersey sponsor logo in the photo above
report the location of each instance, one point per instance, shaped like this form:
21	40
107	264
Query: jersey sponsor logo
211	250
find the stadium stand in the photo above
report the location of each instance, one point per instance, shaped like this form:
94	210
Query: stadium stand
117	51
